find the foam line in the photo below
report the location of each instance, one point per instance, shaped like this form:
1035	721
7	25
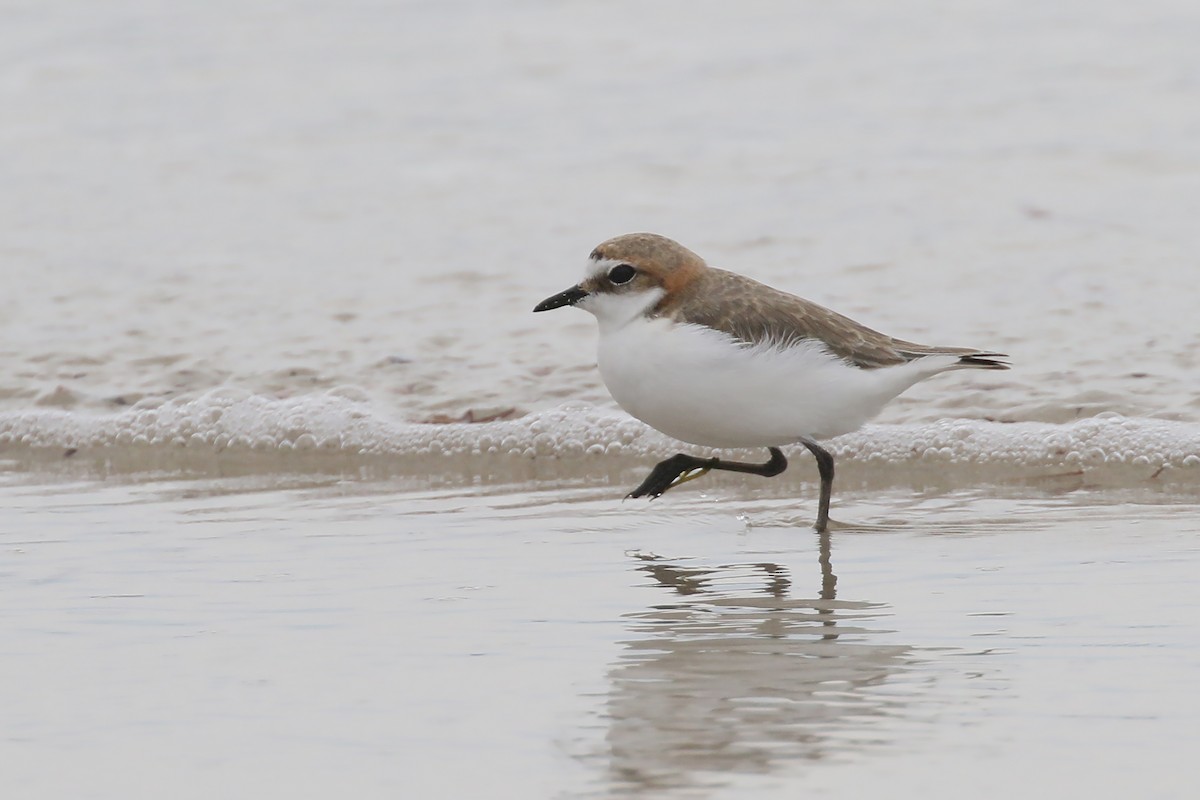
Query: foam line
348	424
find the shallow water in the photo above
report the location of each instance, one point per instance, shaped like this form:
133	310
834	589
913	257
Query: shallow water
331	636
298	498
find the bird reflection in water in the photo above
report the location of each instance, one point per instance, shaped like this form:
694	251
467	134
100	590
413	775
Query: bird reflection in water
735	675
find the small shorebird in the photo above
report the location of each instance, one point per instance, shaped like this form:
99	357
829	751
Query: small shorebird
719	360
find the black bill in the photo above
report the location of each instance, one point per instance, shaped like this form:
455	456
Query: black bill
566	298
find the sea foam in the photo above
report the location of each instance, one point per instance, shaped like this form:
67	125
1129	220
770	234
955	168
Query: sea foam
347	424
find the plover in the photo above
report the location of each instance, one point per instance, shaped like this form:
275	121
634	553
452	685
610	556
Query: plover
717	359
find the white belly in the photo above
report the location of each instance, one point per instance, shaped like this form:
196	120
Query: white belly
703	387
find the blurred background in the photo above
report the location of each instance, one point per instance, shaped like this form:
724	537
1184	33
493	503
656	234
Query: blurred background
293	197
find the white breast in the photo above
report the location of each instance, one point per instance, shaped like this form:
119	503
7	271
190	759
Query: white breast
702	386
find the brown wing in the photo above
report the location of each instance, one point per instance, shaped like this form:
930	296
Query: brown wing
755	313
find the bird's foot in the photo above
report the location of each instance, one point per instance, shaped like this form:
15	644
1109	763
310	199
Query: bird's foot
668	475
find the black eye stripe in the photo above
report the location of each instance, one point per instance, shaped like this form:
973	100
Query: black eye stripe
621	273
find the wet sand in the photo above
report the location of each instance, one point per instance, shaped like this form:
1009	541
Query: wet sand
306	636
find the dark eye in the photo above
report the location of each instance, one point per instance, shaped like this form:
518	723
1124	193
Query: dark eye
621	273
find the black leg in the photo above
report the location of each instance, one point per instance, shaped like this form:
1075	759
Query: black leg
666	474
825	467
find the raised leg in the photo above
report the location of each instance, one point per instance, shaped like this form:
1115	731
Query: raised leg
682	468
825	467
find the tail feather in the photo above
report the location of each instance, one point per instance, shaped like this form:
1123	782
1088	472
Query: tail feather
983	361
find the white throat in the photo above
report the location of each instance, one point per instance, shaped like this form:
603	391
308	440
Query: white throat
614	311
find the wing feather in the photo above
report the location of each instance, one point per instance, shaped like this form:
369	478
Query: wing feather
756	314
